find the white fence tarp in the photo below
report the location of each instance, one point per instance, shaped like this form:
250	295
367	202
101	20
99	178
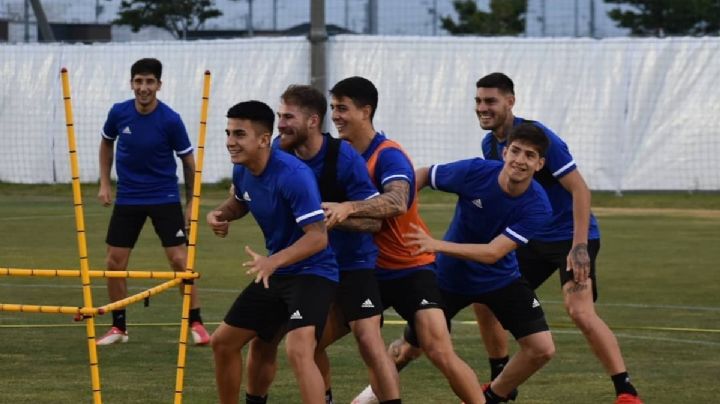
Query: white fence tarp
638	114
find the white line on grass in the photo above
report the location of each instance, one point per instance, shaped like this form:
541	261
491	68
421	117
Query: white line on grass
237	291
9	218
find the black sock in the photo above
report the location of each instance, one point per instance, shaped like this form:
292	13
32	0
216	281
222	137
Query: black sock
195	316
395	401
491	397
497	365
250	399
119	319
622	384
328	397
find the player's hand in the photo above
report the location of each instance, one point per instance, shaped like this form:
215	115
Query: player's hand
578	261
260	266
105	195
218	226
335	212
421	241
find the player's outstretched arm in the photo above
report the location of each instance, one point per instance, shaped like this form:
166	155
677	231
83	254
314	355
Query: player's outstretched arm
489	253
422	177
188	164
393	201
313	241
359	224
106	162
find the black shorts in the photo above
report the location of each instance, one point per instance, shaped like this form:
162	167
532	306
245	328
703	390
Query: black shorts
538	260
291	301
515	306
410	294
358	295
127	221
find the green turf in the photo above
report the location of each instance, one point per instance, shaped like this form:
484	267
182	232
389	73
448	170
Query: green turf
658	284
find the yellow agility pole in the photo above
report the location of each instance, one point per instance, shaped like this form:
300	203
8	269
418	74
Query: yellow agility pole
31	308
82	243
74	273
138	297
190	265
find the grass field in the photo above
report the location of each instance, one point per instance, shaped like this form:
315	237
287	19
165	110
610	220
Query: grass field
659	290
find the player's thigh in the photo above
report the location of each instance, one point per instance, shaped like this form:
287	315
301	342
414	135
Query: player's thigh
517	308
358	295
593	250
169	223
126	222
307	299
258	309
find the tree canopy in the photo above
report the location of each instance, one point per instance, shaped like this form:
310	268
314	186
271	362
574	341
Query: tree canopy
667	17
176	16
506	17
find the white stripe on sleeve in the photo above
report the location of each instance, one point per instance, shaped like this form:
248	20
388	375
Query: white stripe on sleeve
563	168
307	215
102	132
186	151
514	234
372	196
433	170
403	176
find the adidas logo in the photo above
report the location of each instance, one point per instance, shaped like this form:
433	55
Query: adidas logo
535	303
424	302
367	304
478	203
126	131
180	233
246	197
296	315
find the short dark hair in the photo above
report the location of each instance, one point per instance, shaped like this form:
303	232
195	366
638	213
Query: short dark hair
497	80
307	97
528	132
255	111
360	90
147	66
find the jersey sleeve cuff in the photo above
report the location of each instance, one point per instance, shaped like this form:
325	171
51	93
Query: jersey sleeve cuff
433	172
310	217
567	168
516	237
184	152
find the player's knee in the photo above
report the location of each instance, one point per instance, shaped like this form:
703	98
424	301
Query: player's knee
583	317
439	354
541	353
115	262
177	262
298	353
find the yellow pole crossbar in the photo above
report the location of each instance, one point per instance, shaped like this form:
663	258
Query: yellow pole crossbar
139	296
190	265
82	243
69	273
31	308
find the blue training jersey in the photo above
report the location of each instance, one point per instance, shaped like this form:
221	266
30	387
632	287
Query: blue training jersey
483	212
145	164
353	250
558	163
283	199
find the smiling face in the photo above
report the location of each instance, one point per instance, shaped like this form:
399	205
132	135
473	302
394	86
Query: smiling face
145	87
522	161
294	124
245	142
348	118
493	107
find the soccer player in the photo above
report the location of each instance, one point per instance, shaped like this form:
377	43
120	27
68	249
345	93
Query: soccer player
294	285
570	241
407	280
148	132
499	208
342	176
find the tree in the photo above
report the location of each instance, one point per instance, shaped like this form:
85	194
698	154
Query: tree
506	17
176	16
667	17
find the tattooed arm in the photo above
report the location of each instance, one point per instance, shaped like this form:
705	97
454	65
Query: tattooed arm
393	201
359	224
578	260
